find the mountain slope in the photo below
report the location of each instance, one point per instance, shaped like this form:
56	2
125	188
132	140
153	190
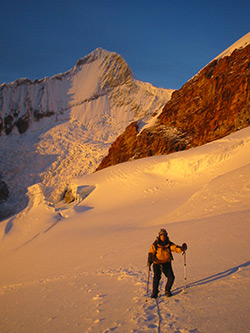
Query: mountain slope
214	103
50	124
82	267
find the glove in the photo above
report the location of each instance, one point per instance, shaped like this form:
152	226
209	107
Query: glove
150	260
184	247
149	265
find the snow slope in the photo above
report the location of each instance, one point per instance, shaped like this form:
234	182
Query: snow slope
241	43
82	267
91	104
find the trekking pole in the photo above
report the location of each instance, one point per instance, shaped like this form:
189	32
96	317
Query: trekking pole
148	279
185	272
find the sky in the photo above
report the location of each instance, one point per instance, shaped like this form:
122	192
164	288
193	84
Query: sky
165	42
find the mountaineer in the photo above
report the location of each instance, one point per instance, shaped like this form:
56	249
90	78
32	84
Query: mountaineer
160	256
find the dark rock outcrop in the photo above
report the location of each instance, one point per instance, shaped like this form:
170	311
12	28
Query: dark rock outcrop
4	191
125	143
17	102
213	104
69	196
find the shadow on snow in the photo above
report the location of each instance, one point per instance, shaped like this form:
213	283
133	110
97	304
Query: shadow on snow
213	278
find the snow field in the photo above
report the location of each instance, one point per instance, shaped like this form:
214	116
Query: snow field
82	267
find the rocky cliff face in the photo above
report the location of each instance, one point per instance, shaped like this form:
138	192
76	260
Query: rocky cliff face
213	104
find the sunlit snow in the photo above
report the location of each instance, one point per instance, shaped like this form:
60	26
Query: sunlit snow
81	267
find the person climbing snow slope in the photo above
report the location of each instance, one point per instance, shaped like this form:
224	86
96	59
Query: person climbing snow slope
160	256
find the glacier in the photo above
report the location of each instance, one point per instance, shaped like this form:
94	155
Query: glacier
61	127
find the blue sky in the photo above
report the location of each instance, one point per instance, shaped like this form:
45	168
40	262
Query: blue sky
165	42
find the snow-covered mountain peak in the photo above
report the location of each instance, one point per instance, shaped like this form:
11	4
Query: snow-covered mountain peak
23	101
112	69
98	53
74	116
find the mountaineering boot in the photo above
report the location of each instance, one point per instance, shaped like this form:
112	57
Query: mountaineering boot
154	294
168	294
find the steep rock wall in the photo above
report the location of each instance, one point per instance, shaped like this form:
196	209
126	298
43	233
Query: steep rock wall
213	104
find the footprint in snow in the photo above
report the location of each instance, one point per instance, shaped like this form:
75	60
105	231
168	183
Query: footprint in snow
99	297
